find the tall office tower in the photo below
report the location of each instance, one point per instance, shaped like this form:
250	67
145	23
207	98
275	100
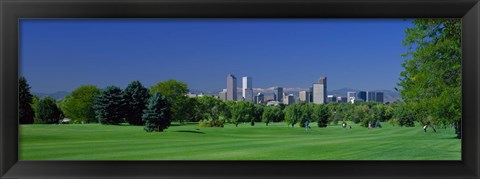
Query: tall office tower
278	94
311	94
259	98
362	95
223	95
248	94
246	84
289	99
320	91
379	97
304	96
231	87
351	95
370	96
331	98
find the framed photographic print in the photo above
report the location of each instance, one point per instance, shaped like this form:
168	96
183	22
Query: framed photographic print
244	89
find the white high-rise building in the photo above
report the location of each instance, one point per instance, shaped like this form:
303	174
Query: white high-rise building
247	89
320	91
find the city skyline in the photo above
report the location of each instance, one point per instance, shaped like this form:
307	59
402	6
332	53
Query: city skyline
61	55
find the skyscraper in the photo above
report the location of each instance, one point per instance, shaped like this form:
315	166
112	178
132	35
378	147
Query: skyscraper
370	96
259	98
248	92
278	94
362	95
311	94
331	98
223	94
320	91
304	96
341	99
289	99
379	97
351	95
231	87
247	88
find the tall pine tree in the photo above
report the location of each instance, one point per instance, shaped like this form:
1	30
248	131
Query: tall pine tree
25	110
109	106
136	97
158	114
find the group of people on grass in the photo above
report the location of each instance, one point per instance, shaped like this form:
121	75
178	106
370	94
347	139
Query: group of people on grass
344	125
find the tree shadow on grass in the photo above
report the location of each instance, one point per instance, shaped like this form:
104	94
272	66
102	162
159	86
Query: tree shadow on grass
190	131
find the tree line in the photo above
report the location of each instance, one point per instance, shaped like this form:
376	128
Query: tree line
157	107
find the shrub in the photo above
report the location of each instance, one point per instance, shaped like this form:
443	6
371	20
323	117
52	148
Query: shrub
212	123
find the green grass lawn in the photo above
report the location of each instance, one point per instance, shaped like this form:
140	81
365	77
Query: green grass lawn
245	142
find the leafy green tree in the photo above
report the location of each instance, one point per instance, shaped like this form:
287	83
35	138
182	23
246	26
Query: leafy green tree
377	112
360	112
258	112
227	112
404	115
333	118
242	111
175	92
431	80
193	110
78	106
157	115
48	111
25	110
292	114
211	107
321	114
136	97
109	106
272	114
35	101
305	113
344	111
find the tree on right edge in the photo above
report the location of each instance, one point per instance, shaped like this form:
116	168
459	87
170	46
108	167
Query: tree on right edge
431	80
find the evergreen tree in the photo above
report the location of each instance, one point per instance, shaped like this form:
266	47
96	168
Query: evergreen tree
136	97
109	106
175	92
48	111
158	114
25	110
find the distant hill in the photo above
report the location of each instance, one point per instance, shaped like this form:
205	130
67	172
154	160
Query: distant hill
59	95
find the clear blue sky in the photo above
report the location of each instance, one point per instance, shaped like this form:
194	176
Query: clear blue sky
61	55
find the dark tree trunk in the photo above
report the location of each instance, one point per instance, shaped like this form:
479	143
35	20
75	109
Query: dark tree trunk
458	129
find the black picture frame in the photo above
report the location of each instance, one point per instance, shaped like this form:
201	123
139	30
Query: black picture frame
13	10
